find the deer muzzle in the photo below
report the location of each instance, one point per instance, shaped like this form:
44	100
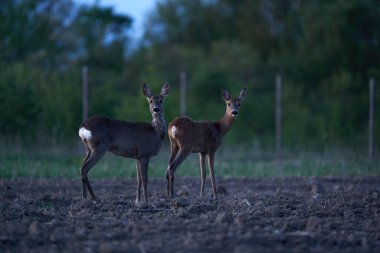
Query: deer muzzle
156	111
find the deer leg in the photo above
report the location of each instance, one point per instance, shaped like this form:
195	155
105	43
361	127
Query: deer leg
173	166
212	173
144	177
203	172
82	171
138	194
173	154
88	154
86	166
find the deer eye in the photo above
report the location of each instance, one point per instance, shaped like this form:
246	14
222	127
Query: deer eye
228	104
160	101
151	101
238	104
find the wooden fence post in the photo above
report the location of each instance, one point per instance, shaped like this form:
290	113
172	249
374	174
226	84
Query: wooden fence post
278	116
371	118
84	93
183	94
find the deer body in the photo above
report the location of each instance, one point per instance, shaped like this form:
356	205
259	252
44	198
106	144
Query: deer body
203	137
144	143
137	140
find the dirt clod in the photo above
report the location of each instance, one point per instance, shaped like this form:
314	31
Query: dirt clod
183	192
179	202
33	228
221	190
10	195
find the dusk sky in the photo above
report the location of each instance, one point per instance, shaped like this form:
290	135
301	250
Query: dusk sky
136	9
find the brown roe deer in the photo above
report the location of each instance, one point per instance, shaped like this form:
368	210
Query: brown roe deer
137	140
188	136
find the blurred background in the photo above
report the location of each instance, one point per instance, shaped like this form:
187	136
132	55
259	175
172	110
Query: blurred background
323	54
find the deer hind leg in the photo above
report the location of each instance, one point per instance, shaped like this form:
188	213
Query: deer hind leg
173	155
211	157
183	153
202	157
86	166
88	152
85	161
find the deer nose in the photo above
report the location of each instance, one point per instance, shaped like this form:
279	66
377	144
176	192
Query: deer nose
156	109
234	113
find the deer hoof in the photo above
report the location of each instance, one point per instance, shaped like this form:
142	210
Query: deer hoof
96	200
142	205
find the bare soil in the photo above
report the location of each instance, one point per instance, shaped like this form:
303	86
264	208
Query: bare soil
262	215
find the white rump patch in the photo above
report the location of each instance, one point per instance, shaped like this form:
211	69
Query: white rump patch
174	129
84	133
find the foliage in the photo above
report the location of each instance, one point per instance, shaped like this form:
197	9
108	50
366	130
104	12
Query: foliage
48	163
325	50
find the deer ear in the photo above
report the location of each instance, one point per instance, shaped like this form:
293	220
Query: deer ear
225	94
146	90
242	94
165	90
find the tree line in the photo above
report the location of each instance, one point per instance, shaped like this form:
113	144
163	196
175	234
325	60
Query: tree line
325	51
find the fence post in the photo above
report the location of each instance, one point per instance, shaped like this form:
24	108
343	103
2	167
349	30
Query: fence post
370	119
183	94
84	93
278	116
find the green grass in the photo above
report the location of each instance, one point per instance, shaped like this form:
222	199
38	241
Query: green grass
58	162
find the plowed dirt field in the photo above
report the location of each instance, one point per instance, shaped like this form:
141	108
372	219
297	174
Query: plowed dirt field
250	214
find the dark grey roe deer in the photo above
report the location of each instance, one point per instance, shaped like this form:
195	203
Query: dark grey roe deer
137	140
203	137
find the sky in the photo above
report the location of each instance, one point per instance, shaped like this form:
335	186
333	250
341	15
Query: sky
136	9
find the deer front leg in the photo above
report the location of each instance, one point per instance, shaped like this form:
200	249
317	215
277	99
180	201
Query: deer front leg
144	176
202	157
173	166
138	193
86	166
212	172
167	183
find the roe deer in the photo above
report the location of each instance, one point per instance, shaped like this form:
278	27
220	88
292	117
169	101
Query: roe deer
188	136
139	141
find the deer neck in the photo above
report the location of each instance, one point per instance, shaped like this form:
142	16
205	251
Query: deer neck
225	123
159	125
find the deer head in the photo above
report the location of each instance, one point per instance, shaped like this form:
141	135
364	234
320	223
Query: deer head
233	103
156	108
156	101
